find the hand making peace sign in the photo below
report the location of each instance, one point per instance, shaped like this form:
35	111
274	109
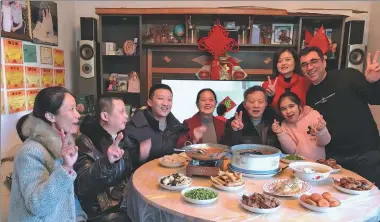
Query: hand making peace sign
69	152
237	123
372	73
271	90
114	153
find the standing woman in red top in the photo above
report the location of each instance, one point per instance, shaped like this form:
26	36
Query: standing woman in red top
286	77
203	127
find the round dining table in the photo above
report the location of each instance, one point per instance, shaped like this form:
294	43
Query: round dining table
147	201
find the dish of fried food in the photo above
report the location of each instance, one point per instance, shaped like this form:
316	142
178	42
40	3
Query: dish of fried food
353	184
228	179
331	163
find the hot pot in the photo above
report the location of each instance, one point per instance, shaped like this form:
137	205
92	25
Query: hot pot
206	151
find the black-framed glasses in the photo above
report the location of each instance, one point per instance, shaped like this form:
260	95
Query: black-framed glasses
312	62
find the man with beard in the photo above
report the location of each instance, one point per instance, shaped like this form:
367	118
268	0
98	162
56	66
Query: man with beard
253	121
101	170
153	132
342	97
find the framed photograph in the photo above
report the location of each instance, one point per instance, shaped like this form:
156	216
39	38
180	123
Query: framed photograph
44	22
46	55
282	34
15	20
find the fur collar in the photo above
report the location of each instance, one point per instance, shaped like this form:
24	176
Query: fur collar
40	131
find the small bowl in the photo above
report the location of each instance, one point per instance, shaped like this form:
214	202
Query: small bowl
299	168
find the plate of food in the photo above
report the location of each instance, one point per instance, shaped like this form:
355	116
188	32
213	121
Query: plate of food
200	195
331	163
174	160
319	203
228	181
289	158
175	181
292	187
351	185
260	203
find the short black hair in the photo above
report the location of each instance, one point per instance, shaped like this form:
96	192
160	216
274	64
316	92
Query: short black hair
307	50
221	109
204	90
276	57
252	90
50	100
19	125
104	104
156	87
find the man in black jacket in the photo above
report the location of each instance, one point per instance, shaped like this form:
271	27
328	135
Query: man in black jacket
101	170
253	121
153	132
342	97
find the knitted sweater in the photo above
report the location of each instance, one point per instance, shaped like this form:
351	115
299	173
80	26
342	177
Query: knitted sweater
41	189
295	139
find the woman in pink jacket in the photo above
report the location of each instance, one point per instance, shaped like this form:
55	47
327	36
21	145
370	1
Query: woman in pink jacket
303	132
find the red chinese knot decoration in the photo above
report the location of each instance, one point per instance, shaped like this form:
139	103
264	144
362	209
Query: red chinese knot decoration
217	43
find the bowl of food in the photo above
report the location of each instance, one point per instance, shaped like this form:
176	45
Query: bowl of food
311	172
260	203
255	158
206	151
289	158
351	185
175	181
319	203
331	163
200	195
228	181
174	160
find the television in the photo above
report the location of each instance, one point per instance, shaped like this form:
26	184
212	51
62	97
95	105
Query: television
185	94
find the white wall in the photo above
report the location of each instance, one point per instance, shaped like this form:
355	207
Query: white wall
373	45
66	41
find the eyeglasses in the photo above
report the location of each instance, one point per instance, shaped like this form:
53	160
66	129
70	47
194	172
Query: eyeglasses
312	62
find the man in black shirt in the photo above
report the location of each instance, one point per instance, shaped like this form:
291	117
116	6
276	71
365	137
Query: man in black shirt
342	97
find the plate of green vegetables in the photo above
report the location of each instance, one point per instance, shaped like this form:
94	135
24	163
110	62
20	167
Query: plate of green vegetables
200	195
289	158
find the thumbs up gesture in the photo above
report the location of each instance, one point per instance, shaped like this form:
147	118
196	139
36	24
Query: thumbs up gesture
114	153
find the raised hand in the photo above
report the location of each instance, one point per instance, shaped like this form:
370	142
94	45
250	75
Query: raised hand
271	90
198	133
276	128
69	152
320	124
114	153
237	123
47	21
372	73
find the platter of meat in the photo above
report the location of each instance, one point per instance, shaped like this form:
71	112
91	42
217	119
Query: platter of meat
320	203
331	163
260	203
352	186
176	181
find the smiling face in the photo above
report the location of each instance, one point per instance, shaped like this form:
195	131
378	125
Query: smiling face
286	63
161	103
67	117
313	67
255	104
290	110
206	103
116	119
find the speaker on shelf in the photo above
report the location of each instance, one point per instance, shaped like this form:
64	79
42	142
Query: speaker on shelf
88	28
89	70
353	50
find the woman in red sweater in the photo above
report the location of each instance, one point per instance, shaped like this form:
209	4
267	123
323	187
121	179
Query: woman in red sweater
286	77
203	126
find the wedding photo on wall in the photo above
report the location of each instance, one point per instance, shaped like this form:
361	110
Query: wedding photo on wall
14	19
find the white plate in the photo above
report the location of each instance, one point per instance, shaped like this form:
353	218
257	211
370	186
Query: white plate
199	201
226	188
291	161
259	210
170	164
355	192
337	170
270	185
174	187
317	208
